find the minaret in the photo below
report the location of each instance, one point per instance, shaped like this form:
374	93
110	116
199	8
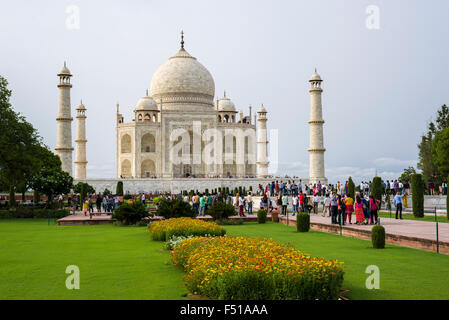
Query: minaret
262	143
64	147
80	155
316	150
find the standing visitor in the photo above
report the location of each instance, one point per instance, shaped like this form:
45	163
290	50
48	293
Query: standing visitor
202	205
249	200
85	207
366	212
373	205
264	202
196	203
98	202
75	204
91	206
359	216
301	201
349	202
334	207
295	201
241	202
284	204
341	209
315	203
105	203
327	205
397	200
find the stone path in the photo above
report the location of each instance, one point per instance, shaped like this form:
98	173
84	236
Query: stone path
410	228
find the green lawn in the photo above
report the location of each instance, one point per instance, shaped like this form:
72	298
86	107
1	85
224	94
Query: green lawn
409	216
123	263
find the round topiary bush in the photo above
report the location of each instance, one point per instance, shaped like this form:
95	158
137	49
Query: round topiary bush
303	222
378	237
221	210
262	216
119	188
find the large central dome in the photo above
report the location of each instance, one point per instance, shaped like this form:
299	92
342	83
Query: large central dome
183	80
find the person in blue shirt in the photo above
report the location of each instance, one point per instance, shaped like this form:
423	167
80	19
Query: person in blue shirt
398	203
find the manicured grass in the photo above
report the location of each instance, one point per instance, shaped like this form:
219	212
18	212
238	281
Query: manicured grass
409	216
115	262
404	273
123	263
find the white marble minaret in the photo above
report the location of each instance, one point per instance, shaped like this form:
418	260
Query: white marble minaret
80	155
64	147
316	149
262	143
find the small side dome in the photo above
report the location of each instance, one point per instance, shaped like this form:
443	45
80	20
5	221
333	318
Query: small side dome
81	106
146	103
225	104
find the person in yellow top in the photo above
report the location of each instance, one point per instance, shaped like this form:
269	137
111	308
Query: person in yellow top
349	202
85	206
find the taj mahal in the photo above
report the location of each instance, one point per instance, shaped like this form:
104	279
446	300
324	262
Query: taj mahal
181	137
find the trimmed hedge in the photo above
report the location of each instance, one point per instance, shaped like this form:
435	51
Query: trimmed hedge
303	222
221	210
33	213
378	237
119	190
351	188
376	189
417	195
447	200
261	216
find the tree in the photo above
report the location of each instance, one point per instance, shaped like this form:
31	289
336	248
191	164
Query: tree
440	152
77	188
407	174
351	188
417	195
119	190
52	181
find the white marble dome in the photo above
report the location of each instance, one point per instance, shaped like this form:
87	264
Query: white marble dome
315	77
146	103
225	104
182	79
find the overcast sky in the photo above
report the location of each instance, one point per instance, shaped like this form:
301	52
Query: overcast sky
381	85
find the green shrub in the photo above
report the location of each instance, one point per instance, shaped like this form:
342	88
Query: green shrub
36	196
106	192
376	189
33	213
261	216
417	195
130	213
174	209
119	190
221	210
378	237
229	222
83	193
303	222
157	200
351	188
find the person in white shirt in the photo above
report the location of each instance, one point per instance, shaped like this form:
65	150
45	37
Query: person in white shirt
327	205
295	201
249	201
316	201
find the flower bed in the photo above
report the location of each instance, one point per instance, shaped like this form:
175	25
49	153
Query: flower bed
251	269
165	229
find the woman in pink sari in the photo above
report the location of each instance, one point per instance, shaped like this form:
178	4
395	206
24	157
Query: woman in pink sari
359	215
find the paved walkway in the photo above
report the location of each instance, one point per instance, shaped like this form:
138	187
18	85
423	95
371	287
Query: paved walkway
410	228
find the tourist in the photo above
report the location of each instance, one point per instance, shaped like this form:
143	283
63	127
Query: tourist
327	205
203	200
284	204
334	207
241	203
349	203
75	204
315	202
196	203
295	201
105	203
91	205
85	207
444	188
98	202
373	205
359	216
431	188
318	188
302	201
397	200
249	200
264	202
208	201
366	212
341	209
338	187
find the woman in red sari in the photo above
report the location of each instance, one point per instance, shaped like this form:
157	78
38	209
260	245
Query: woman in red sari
359	215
